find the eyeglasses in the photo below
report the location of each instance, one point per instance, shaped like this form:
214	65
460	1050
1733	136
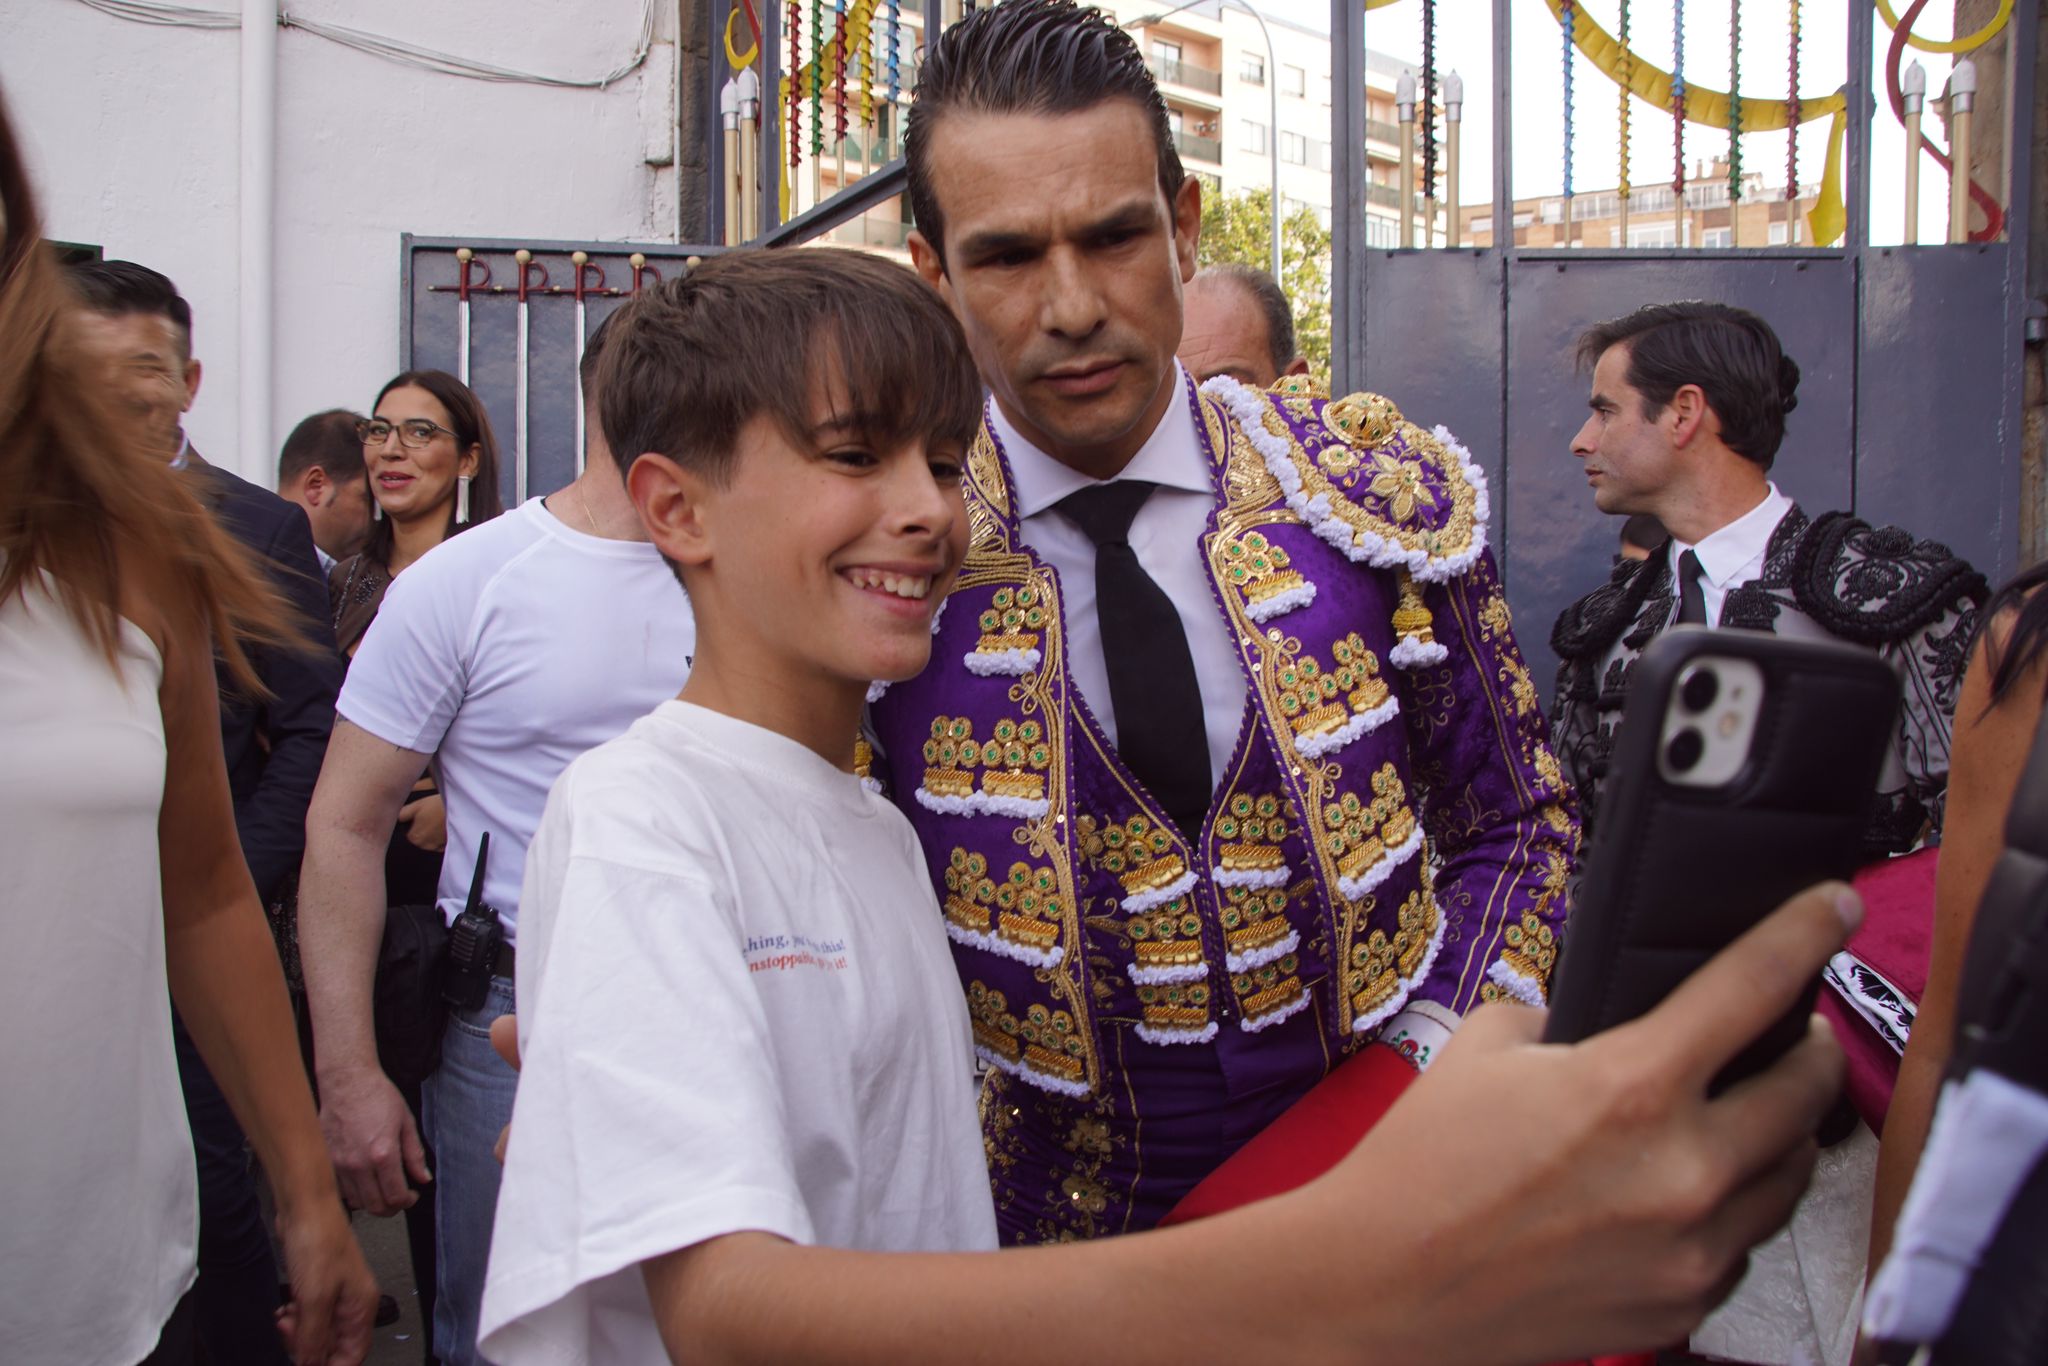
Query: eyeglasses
413	433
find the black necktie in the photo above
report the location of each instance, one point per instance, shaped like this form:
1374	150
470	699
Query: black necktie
1160	734
1692	603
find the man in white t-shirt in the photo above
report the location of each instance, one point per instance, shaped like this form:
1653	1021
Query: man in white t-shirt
499	657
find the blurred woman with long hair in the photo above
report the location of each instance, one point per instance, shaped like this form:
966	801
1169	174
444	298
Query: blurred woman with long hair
123	874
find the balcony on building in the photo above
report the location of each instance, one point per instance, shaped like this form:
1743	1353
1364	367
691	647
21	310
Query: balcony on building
1195	147
1187	62
1186	74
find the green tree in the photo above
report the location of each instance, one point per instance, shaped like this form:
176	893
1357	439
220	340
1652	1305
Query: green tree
1238	228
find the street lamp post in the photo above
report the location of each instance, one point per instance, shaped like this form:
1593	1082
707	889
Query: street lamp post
1273	100
1404	111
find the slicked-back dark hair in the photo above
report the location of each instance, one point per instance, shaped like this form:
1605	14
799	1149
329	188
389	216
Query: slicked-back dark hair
1028	57
692	360
1271	301
1731	353
119	288
328	440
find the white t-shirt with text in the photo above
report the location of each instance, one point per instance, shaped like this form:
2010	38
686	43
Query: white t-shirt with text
738	1012
507	651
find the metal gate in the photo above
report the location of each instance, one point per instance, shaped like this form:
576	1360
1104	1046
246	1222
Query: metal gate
514	329
1910	357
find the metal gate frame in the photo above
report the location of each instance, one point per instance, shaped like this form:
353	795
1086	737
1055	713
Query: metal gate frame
1914	361
533	397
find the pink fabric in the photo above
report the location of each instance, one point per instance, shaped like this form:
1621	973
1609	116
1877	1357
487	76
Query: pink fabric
1896	938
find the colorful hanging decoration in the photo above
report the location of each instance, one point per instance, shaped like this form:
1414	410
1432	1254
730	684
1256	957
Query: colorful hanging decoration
895	50
1902	35
1653	84
1792	114
817	79
791	90
1678	103
1428	102
1629	61
1734	107
1570	11
1957	46
840	54
866	75
1669	90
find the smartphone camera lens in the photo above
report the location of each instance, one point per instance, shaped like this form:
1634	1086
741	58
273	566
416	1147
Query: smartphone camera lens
1698	690
1684	750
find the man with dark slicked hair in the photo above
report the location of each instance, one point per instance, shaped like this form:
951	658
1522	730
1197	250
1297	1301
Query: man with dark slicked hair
1227	765
1689	406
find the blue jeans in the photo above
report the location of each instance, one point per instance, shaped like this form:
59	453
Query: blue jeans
466	1103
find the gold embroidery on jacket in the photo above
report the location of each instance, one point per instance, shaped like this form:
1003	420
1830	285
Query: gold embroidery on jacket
1381	965
1043	1045
1370	839
1327	709
1021	917
1366	420
1070	1066
1010	631
1252	830
1259	570
1012	762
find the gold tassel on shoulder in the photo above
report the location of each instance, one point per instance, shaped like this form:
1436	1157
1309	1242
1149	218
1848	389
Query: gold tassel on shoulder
1415	643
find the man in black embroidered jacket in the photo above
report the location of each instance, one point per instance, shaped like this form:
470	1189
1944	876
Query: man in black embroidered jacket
1689	404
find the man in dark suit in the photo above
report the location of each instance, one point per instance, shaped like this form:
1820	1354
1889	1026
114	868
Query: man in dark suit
273	745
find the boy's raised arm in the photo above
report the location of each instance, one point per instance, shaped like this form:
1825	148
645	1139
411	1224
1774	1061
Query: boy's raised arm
1559	1201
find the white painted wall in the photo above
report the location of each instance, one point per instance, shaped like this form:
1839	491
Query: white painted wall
131	135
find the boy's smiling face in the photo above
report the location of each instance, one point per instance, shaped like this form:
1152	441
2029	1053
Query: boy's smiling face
818	560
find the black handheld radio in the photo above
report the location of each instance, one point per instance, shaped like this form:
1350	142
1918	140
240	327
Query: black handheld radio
473	942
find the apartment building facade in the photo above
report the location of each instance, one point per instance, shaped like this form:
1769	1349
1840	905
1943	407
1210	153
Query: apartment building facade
1710	215
1223	87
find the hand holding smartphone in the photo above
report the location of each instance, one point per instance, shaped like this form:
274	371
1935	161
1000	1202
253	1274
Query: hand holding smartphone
1743	772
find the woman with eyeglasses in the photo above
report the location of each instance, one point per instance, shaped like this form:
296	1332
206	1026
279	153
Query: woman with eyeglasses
432	465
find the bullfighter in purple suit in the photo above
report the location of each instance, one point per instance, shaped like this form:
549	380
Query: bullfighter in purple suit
1226	764
1388	843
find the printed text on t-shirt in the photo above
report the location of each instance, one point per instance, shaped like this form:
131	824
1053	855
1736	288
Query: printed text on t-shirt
782	952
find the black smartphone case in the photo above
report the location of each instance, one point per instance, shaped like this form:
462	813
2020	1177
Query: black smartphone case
1677	873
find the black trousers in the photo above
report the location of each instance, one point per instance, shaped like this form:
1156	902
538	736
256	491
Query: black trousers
235	1302
174	1344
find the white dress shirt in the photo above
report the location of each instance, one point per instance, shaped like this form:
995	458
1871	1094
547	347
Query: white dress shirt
1166	536
1734	555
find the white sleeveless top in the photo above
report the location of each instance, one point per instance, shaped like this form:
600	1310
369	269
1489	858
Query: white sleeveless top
99	1210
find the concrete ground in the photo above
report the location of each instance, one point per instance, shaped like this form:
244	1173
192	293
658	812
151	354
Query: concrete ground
383	1241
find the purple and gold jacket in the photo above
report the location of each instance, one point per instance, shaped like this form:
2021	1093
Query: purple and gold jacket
1392	825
